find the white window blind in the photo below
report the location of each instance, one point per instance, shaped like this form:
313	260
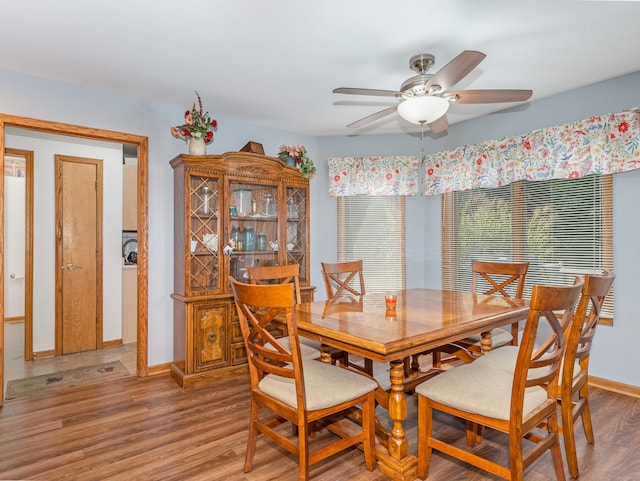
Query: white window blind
563	228
372	228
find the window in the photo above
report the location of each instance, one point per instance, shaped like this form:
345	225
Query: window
563	228
372	229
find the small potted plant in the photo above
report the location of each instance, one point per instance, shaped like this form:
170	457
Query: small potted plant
197	129
296	156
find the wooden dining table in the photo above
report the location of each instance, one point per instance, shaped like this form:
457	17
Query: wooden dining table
423	319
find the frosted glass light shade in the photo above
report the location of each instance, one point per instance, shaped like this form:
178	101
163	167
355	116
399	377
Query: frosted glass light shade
425	109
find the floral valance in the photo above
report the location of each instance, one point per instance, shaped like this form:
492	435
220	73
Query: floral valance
605	144
373	176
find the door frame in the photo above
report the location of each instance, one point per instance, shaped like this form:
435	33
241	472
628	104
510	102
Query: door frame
142	144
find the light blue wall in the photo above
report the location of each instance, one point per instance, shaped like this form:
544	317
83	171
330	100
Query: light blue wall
614	357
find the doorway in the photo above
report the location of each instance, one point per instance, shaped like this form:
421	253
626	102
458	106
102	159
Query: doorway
18	249
140	143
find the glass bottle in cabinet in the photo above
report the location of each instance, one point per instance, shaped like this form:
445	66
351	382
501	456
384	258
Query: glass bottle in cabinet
236	237
261	241
249	238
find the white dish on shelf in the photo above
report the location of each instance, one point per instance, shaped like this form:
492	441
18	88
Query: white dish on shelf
290	246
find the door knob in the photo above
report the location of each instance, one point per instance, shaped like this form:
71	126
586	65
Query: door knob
70	267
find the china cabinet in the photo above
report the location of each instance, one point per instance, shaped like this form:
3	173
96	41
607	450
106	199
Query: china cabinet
231	211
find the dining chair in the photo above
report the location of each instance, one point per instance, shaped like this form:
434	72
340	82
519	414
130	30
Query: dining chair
284	388
521	404
346	279
339	277
283	274
492	278
573	380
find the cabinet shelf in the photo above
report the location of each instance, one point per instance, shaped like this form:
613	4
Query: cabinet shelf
251	218
253	253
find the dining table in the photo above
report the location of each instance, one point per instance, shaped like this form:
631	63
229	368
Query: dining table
423	319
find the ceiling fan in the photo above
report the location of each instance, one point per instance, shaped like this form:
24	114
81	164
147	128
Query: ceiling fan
425	98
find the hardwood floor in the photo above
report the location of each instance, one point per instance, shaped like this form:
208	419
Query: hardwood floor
151	429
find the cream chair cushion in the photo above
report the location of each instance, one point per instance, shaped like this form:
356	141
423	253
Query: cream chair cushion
325	385
480	390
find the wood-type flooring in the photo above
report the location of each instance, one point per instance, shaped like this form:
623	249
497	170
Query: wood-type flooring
151	429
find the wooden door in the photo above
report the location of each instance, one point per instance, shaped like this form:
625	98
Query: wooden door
78	254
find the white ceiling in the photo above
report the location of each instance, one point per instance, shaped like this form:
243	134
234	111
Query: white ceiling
275	63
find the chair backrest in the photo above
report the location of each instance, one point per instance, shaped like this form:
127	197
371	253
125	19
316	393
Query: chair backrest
288	273
581	331
541	367
505	278
258	306
338	277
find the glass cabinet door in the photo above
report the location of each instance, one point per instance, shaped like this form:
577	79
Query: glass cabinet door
204	239
253	227
296	225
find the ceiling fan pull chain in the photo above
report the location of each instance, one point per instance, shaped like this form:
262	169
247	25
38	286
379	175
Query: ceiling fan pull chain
422	156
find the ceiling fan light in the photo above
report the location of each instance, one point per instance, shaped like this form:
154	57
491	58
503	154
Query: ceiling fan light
423	109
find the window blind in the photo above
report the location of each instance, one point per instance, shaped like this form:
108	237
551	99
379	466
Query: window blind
372	228
563	228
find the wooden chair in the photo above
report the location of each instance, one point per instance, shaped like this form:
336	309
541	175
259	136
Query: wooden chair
288	273
517	403
573	380
502	278
574	394
277	275
339	278
284	388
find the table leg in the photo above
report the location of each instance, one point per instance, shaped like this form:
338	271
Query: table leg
395	461
325	353
485	342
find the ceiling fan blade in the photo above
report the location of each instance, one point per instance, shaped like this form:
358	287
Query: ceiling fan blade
439	125
489	96
456	70
376	92
372	117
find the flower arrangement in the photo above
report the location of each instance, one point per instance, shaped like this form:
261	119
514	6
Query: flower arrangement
197	124
302	160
